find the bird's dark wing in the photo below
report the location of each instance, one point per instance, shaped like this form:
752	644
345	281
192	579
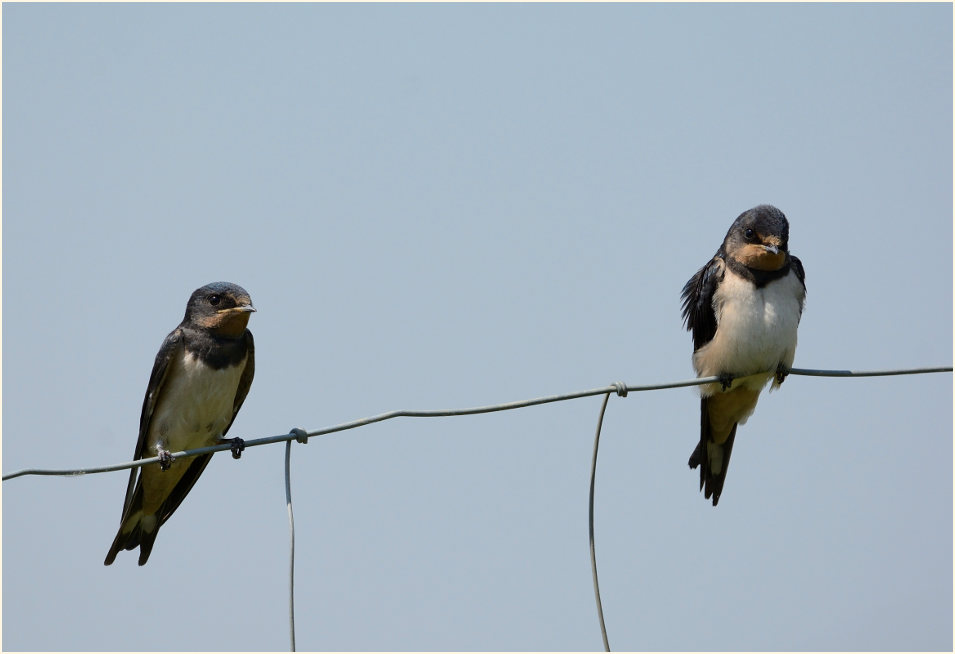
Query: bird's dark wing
800	271
698	314
700	318
800	275
170	348
245	382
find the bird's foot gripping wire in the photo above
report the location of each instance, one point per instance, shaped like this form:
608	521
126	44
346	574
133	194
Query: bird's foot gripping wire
238	445
726	380
782	371
165	459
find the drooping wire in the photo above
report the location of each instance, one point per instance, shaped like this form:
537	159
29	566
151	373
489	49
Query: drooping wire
455	412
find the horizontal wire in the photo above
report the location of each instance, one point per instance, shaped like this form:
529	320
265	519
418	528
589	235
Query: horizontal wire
619	388
809	372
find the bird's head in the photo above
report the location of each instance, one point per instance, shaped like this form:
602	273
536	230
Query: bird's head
220	307
759	238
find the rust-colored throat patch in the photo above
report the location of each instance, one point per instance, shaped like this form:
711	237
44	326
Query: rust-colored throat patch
762	257
229	322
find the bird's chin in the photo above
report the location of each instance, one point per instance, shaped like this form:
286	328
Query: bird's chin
229	323
759	257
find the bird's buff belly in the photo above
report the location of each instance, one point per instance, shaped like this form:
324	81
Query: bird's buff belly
755	334
203	399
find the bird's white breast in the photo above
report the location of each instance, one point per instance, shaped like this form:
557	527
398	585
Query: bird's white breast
755	327
195	405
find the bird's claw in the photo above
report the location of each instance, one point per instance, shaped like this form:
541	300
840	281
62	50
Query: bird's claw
726	380
782	372
237	446
165	459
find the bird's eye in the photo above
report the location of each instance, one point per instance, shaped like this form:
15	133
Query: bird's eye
749	234
214	299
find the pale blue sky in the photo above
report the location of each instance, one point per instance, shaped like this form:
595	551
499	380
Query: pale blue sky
441	206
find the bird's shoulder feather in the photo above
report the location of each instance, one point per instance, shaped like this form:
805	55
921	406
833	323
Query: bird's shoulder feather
698	313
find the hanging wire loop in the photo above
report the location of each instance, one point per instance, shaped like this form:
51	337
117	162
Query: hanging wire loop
291	539
593	552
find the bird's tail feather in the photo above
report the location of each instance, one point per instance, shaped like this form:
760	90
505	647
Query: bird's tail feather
135	530
134	535
711	483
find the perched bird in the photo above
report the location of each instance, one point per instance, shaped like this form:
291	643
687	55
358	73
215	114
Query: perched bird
200	378
743	308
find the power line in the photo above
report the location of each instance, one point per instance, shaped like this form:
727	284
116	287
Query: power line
619	388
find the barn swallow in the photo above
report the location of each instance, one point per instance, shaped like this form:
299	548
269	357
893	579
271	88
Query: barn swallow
743	308
200	378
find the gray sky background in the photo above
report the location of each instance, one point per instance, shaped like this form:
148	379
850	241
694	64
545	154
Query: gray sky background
442	206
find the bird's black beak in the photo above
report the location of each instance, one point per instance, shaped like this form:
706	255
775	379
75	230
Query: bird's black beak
243	308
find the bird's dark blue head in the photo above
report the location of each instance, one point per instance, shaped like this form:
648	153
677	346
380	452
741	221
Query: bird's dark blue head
222	308
759	238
